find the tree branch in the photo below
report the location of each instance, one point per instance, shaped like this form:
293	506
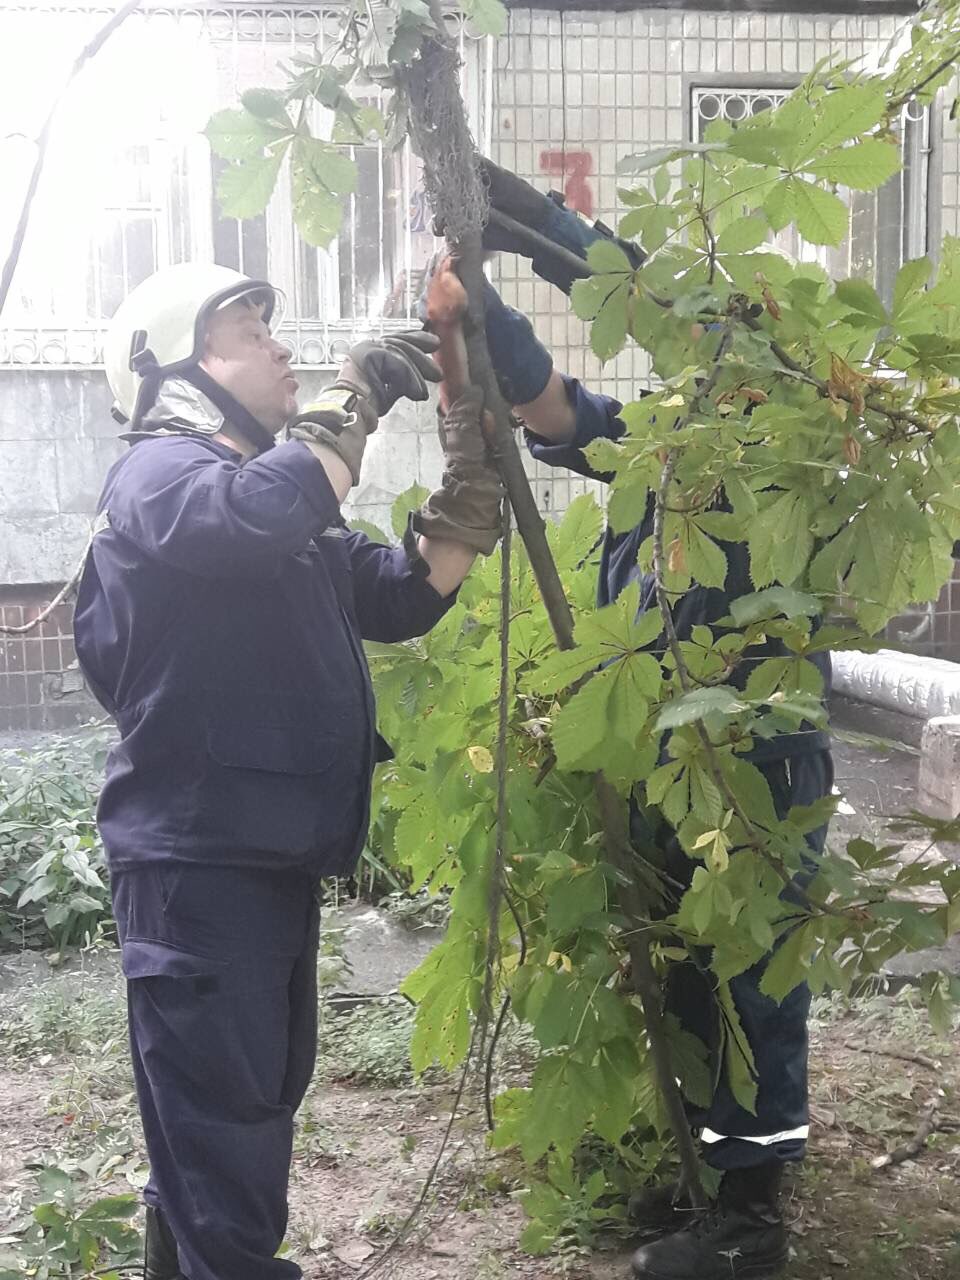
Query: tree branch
870	402
902	1055
530	523
711	239
929	1123
897	104
498	871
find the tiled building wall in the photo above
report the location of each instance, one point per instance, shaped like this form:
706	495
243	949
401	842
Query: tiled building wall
599	86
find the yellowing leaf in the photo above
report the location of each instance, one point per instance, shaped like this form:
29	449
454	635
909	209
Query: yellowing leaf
481	759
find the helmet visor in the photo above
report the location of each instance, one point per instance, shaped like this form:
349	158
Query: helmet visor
271	302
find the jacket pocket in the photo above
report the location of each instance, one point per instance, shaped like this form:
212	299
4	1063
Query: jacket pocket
282	772
291	749
279	732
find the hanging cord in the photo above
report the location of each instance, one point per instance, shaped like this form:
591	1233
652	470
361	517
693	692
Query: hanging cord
563	95
502	1017
403	1231
63	594
491	964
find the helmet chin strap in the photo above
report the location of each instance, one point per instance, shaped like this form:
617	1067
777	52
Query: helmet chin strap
144	362
252	430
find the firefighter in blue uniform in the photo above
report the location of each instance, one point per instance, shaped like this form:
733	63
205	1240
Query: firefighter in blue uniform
743	1234
219	620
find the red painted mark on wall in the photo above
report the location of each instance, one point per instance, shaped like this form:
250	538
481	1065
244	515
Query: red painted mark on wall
575	167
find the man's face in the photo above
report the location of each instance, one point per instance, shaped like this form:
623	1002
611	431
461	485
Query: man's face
250	364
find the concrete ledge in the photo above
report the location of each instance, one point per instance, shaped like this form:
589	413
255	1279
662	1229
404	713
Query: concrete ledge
926	691
938	790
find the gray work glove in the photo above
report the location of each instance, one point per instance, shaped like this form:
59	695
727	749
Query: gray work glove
390	369
467	506
329	421
373	377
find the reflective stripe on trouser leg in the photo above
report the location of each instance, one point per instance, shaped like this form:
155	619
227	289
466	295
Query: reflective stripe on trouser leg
801	1133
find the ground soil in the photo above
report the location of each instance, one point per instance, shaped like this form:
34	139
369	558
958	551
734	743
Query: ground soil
364	1151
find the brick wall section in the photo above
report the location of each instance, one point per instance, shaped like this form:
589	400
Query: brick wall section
40	682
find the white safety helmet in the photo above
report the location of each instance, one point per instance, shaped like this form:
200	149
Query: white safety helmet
160	329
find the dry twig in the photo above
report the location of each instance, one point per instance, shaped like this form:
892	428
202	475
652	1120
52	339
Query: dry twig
929	1123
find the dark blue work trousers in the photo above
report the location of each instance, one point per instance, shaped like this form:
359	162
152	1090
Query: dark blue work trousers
731	1137
222	1002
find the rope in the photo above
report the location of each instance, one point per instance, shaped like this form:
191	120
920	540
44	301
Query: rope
63	594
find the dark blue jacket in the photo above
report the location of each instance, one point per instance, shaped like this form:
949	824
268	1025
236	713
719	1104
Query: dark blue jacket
219	619
596	418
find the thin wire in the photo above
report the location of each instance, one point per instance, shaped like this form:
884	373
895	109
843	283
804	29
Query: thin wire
563	95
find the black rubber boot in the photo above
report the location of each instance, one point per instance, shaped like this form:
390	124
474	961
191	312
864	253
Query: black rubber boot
741	1236
160	1253
658	1211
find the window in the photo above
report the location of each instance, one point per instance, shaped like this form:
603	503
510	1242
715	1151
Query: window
126	241
352	279
887	226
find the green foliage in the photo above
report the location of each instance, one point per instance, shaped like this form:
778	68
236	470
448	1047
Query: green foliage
371	1045
564	1210
272	128
53	888
65	1015
66	1234
258	138
488	16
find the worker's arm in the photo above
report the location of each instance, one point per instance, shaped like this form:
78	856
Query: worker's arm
560	414
554	223
214	517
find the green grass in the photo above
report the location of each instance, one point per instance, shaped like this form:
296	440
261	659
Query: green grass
370	1046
